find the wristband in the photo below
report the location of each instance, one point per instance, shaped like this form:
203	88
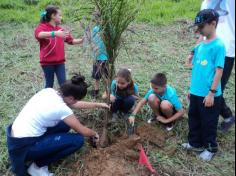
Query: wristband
134	115
53	34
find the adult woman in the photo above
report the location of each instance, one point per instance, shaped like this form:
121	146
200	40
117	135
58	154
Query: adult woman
40	132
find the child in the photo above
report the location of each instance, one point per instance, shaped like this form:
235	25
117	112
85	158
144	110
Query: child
163	100
100	67
40	133
51	38
124	93
205	89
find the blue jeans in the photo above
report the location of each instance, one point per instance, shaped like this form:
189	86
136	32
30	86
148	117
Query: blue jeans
50	71
123	104
54	145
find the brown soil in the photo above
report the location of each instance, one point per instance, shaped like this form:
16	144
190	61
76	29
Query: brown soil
151	134
121	158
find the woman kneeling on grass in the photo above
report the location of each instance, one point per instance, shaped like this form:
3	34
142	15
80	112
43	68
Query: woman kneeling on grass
40	133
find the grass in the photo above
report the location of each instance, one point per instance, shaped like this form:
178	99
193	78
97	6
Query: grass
152	11
167	11
151	49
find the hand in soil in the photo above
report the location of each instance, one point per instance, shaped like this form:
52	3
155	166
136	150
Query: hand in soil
93	142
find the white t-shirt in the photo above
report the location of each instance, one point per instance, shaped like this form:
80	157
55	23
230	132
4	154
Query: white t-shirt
226	26
45	109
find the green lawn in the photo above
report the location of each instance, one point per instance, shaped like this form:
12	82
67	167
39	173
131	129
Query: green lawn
153	48
152	11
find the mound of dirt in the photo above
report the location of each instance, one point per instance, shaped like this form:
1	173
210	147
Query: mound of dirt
151	134
115	160
121	158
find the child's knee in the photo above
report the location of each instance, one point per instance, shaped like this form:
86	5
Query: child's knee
166	106
153	99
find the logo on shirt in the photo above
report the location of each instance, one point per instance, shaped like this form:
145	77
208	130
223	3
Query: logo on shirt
204	62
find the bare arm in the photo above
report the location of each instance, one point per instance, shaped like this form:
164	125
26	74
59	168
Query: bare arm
89	105
217	78
139	106
176	116
75	124
136	111
77	41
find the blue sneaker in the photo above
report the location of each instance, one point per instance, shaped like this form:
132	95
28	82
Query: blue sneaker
226	125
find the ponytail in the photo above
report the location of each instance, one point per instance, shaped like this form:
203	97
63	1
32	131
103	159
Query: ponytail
46	15
76	87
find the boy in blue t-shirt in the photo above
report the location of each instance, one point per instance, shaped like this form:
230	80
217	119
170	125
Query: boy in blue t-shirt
205	88
100	67
163	100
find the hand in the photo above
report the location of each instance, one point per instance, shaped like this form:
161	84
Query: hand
162	119
62	34
112	98
131	120
189	61
104	105
97	137
94	140
209	100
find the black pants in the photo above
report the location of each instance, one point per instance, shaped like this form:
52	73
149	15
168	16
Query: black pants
203	123
229	65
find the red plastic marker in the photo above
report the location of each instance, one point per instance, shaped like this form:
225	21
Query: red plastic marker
143	160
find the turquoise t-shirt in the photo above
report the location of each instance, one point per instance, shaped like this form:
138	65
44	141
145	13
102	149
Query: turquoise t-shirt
207	57
101	53
169	95
114	88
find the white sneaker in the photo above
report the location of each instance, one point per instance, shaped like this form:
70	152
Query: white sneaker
187	146
45	168
169	128
34	170
152	120
206	156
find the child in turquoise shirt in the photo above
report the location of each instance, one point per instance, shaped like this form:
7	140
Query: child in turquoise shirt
163	100
100	66
205	88
124	93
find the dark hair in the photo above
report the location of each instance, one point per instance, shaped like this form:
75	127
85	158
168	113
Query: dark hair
126	74
47	14
76	87
159	80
